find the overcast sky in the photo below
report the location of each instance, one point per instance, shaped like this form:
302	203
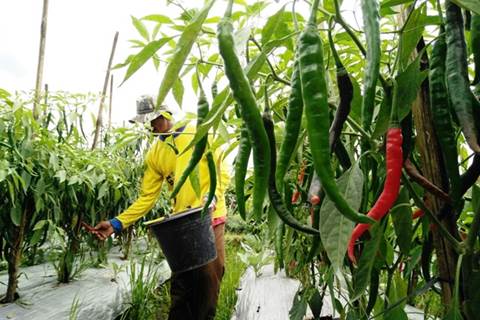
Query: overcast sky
79	39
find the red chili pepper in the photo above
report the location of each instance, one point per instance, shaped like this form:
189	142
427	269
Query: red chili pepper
88	227
300	178
391	188
417	214
295	196
314	200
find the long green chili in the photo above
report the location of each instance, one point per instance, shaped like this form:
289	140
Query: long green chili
314	92
457	74
440	104
245	98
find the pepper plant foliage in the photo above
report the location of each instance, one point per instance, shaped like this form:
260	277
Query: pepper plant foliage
377	76
51	181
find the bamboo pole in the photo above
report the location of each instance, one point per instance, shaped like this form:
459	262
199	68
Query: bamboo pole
110	103
41	59
104	91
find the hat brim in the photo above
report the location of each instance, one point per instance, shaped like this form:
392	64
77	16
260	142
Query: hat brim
143	118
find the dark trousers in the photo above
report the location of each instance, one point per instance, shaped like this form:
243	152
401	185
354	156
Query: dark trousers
194	293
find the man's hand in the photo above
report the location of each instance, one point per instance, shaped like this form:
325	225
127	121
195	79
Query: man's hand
103	230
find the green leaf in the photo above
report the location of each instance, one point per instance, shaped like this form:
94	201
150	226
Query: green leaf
195	181
103	190
398	291
412	32
140	28
367	260
182	50
383	117
453	314
402	221
61	175
299	307
158	18
335	229
409	83
391	3
143	56
40	225
472	5
271	26
178	91
16	215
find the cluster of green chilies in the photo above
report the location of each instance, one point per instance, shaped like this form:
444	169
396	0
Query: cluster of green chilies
249	111
275	197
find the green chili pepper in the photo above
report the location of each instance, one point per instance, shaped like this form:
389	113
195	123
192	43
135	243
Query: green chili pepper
212	172
279	233
371	19
439	101
199	148
475	43
292	126
275	197
314	92
241	163
245	98
457	74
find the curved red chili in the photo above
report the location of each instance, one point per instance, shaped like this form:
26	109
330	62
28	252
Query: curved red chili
391	187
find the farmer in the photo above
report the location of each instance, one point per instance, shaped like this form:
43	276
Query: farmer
193	293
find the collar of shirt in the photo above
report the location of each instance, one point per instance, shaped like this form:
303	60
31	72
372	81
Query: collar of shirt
175	134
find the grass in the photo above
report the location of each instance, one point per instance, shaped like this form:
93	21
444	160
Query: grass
234	269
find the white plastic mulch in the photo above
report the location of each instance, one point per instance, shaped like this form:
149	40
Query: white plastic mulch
269	296
98	296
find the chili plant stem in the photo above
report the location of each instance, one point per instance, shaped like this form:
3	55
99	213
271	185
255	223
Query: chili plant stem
457	246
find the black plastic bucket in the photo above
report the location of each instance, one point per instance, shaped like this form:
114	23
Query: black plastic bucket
186	239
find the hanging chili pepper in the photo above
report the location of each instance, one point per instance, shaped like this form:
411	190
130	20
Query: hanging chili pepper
457	74
276	199
475	44
241	164
442	121
199	148
279	252
245	98
292	125
300	178
417	214
314	92
371	24
212	172
391	188
345	90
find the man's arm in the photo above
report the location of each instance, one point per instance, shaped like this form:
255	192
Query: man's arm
150	189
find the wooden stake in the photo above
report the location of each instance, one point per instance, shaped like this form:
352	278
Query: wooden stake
104	91
41	59
110	103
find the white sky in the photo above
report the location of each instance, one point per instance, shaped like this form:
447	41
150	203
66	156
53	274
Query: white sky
79	39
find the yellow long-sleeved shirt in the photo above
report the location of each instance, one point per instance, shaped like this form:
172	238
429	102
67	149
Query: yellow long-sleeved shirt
162	163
